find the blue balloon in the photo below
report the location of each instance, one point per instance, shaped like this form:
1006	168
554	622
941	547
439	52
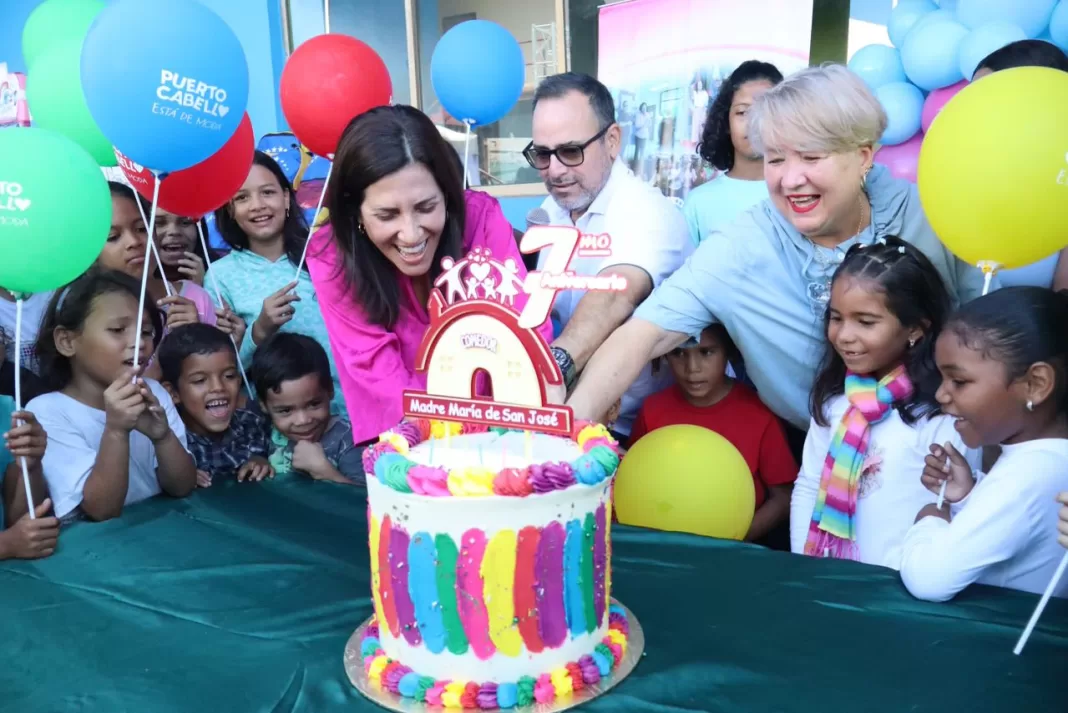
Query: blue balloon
478	71
903	104
1031	16
878	65
982	41
1058	25
931	54
904	16
166	82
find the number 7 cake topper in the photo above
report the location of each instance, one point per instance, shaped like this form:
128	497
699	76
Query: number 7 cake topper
477	336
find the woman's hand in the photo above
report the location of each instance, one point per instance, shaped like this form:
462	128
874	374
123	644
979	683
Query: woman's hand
152	420
192	267
947	465
180	311
227	321
28	440
277	309
123	402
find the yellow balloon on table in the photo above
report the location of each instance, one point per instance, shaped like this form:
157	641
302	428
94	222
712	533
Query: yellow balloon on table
993	168
686	479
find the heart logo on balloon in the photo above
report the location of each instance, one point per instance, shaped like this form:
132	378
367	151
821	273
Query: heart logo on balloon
22	203
223	110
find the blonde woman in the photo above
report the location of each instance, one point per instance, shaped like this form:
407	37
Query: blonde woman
766	276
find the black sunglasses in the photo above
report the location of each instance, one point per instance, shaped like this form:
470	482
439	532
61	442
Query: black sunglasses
570	155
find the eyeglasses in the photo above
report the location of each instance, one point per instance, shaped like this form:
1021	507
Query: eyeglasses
570	155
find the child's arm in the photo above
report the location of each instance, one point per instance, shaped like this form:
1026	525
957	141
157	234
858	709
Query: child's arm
310	458
175	468
777	469
105	488
806	488
29	538
26	441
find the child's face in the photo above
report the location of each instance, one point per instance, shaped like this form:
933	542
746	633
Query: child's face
977	391
259	208
105	344
300	409
126	247
207	391
868	337
700	370
175	236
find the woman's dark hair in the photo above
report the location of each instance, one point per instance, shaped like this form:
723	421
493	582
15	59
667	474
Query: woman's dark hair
71	306
1019	326
915	294
716	146
286	356
376	144
295	229
1025	53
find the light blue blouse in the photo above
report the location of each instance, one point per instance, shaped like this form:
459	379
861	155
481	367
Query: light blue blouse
718	203
768	285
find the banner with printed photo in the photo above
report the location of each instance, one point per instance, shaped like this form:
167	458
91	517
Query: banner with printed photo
664	60
13	108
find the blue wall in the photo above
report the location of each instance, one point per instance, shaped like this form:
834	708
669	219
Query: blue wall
257	24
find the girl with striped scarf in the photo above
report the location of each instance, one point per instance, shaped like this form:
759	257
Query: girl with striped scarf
874	412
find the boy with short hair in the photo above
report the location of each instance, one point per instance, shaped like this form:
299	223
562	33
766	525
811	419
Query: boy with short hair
199	367
705	396
291	375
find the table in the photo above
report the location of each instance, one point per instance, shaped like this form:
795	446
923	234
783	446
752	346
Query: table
241	598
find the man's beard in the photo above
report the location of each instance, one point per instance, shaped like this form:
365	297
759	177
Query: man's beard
577	203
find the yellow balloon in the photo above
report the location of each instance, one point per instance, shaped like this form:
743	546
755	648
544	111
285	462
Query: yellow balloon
686	479
993	168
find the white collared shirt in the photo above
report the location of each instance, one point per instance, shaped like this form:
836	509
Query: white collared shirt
648	231
1004	533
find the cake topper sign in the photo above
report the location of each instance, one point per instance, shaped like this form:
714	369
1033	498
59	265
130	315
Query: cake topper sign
478	339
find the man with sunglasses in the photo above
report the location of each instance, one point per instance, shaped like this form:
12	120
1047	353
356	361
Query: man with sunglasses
576	148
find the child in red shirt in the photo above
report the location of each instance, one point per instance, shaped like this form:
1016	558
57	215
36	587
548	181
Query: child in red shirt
705	396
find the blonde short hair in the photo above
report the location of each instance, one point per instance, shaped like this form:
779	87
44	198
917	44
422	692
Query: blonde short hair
826	108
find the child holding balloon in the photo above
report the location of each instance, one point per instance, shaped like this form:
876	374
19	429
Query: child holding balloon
1004	365
114	437
24	537
874	410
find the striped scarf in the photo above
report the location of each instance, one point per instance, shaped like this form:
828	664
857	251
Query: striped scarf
832	532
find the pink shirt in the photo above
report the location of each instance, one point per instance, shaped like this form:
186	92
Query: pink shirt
375	364
200	297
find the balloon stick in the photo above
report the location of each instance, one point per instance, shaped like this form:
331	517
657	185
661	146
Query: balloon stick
18	402
224	305
152	247
144	273
318	208
1041	605
467	148
989	268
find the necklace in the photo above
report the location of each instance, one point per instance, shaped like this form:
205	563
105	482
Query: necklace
819	290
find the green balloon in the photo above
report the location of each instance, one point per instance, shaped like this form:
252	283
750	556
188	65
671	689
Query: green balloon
55	210
54	93
54	22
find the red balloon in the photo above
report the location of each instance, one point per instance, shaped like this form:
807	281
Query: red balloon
326	83
202	188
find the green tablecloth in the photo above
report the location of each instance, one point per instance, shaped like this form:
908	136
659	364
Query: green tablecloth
241	598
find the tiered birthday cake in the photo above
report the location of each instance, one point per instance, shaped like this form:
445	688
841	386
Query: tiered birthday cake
491	585
490	518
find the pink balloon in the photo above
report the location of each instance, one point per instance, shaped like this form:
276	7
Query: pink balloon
936	100
901	159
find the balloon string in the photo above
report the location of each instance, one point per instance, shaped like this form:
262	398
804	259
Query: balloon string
144	274
989	268
18	402
152	248
467	149
1041	605
224	305
311	230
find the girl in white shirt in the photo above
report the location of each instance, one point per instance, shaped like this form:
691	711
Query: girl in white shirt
1004	365
874	413
112	439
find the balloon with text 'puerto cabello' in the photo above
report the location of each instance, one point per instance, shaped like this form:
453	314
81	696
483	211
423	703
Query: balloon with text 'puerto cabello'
54	22
54	94
326	83
198	190
993	179
478	72
166	82
55	210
